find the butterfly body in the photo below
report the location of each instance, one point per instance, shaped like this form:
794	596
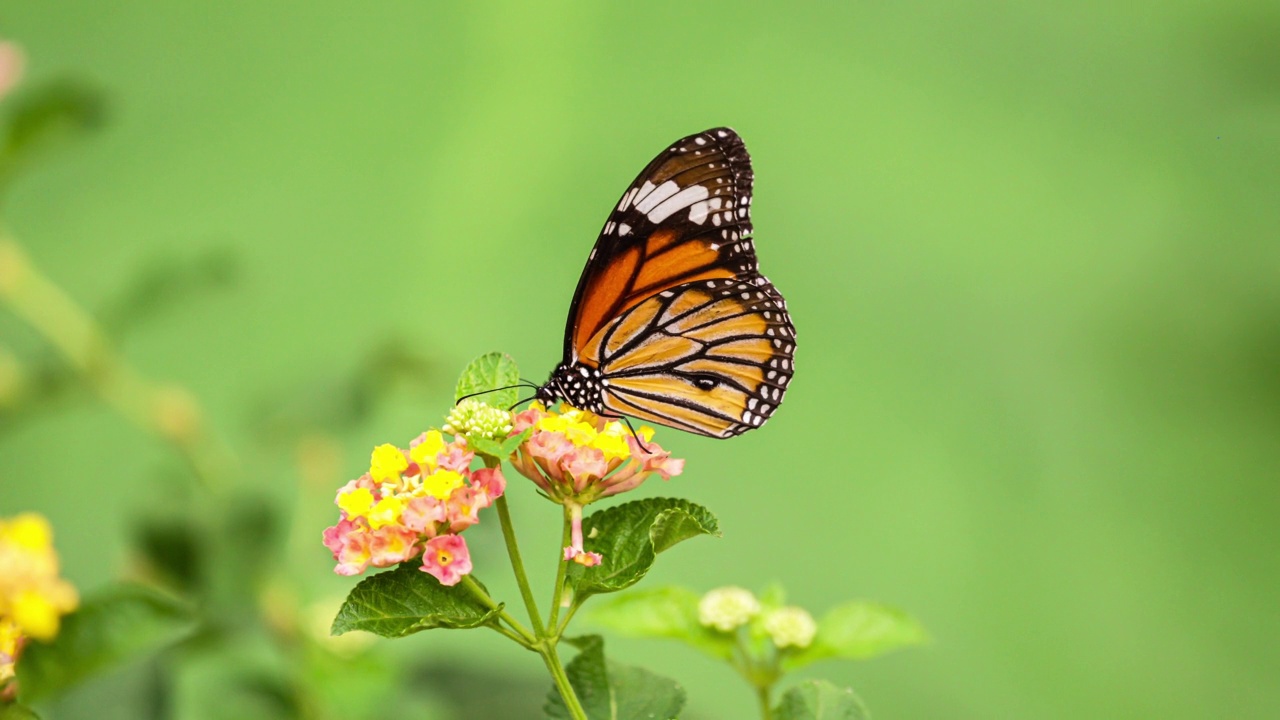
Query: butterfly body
672	321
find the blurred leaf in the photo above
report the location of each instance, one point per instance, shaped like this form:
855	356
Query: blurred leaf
166	281
15	711
820	700
665	612
859	630
110	628
174	548
406	600
45	116
336	404
612	691
488	372
629	537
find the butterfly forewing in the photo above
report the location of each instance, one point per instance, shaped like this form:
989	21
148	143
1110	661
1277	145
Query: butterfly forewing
672	321
685	218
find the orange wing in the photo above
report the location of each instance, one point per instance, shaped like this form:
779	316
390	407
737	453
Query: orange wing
713	357
685	219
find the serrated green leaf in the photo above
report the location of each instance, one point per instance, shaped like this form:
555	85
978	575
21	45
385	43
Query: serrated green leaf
406	600
629	536
15	711
488	372
820	700
665	612
111	627
613	691
859	630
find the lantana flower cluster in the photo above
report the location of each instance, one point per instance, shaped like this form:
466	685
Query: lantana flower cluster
413	502
33	598
578	457
728	608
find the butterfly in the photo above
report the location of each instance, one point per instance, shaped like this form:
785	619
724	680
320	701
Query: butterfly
672	321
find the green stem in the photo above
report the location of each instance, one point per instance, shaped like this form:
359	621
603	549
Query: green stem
762	694
521	635
562	566
562	683
517	565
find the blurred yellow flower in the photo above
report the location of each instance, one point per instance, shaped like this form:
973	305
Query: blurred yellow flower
33	598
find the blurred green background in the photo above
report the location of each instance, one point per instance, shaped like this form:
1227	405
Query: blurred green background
1031	251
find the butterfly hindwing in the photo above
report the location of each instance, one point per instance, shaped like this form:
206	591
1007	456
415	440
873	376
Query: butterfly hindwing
685	218
711	357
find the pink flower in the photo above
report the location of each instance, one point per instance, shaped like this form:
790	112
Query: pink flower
489	485
463	511
575	551
407	500
579	457
447	558
423	514
392	544
349	541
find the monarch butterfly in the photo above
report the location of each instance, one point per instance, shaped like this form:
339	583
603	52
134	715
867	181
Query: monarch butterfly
672	321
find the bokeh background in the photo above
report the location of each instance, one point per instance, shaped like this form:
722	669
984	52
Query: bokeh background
1031	251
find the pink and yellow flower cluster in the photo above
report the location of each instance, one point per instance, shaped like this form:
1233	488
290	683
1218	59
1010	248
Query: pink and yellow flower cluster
578	457
413	502
33	598
581	457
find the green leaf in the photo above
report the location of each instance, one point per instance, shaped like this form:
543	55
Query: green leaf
859	630
45	116
110	628
510	444
17	712
612	691
489	372
820	700
406	600
629	537
486	446
665	612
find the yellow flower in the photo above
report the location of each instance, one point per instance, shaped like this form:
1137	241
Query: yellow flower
387	463
32	596
386	512
441	484
612	441
356	503
425	452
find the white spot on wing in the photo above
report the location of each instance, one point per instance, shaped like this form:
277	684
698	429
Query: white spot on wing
646	201
682	199
623	229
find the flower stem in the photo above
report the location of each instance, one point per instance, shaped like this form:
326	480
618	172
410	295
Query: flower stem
762	694
561	570
521	635
552	658
517	565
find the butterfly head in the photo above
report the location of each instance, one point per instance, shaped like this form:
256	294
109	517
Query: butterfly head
577	384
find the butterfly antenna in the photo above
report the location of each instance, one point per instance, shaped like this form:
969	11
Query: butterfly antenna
636	435
521	402
486	392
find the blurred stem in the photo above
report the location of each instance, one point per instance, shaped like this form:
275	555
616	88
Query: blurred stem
561	570
762	694
562	683
168	412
